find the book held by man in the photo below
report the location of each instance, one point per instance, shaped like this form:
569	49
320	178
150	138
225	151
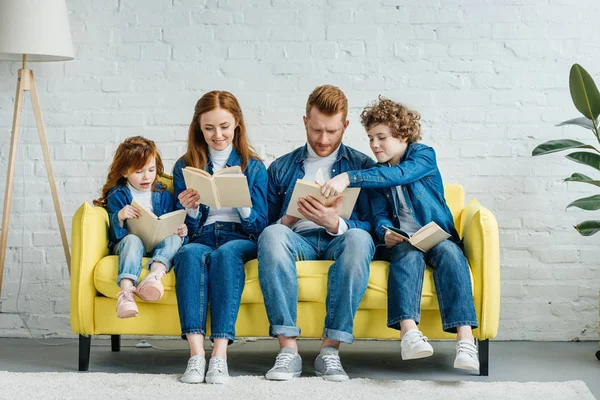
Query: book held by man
227	187
425	238
152	229
305	188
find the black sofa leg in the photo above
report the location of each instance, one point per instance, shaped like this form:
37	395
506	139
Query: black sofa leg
484	357
115	342
85	342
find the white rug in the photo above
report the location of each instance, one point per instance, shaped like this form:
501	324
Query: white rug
103	386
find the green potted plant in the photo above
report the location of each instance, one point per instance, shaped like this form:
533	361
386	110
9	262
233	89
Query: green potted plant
586	99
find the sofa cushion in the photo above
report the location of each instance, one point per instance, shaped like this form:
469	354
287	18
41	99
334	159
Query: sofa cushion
312	276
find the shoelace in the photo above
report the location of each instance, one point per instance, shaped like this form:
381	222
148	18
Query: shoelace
415	338
283	360
467	347
332	361
195	363
126	295
218	364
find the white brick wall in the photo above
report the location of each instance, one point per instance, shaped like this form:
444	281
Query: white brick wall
490	80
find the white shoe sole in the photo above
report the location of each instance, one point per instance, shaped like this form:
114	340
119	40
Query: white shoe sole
282	376
419	354
468	367
333	378
191	379
219	380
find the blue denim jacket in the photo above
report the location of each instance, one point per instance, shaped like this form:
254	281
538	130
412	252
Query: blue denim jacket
257	183
422	186
120	196
284	172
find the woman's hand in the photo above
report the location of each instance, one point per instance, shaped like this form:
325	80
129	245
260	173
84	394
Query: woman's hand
335	185
128	212
182	231
391	239
189	198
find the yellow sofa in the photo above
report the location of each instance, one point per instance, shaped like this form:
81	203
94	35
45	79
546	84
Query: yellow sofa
94	291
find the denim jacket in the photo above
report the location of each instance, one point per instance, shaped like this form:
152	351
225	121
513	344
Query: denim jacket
257	183
120	196
422	186
284	172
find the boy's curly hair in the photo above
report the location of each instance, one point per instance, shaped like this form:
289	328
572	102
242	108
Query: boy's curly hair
404	123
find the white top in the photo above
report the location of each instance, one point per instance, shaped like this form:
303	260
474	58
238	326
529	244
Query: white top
144	198
312	164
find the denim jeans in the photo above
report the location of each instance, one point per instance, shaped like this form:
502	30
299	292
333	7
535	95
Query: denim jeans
278	250
210	270
130	250
451	277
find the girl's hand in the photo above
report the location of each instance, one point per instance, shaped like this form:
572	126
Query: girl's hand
392	239
335	185
189	198
182	231
128	212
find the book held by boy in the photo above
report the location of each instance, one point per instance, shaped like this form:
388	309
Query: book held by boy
227	187
305	188
152	229
425	238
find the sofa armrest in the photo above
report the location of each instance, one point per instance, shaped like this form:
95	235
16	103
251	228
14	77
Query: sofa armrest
482	249
89	244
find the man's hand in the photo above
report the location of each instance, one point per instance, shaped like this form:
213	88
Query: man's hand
316	212
289	221
189	198
335	185
128	212
391	239
182	231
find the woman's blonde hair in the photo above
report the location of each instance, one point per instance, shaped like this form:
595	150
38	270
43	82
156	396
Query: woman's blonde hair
404	123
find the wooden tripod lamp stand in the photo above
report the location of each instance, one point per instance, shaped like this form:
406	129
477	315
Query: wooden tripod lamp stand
35	31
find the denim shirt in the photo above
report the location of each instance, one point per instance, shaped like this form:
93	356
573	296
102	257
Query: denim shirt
256	173
119	197
422	186
284	172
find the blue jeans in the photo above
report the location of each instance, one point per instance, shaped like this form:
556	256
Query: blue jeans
130	250
278	250
451	277
211	270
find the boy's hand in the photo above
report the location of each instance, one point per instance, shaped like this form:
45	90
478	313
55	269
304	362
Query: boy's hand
391	239
335	185
189	198
128	212
182	231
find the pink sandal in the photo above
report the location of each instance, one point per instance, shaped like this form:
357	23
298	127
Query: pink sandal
151	288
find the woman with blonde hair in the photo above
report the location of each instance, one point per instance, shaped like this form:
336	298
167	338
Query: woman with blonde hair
210	269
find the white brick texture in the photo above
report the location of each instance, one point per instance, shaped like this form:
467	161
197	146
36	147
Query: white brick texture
490	80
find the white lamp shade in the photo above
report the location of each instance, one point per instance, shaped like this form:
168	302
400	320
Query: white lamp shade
37	28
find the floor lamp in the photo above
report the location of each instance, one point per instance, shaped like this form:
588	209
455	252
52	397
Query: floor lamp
35	31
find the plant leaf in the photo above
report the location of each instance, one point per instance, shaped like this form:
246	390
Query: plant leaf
553	146
584	92
588	228
587	203
582	178
586	158
581	121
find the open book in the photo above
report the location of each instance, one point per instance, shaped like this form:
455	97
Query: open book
305	188
225	188
423	239
152	229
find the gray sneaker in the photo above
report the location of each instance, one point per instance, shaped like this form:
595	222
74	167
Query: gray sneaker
329	366
288	365
217	371
195	370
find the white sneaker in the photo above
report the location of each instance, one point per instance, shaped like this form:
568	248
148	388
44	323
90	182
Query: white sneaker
217	371
466	355
195	370
414	345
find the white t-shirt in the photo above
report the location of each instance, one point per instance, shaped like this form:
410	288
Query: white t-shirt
144	198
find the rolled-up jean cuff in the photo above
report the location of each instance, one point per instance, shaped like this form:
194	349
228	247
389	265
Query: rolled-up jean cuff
287	331
214	336
192	332
162	260
340	336
134	278
451	327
